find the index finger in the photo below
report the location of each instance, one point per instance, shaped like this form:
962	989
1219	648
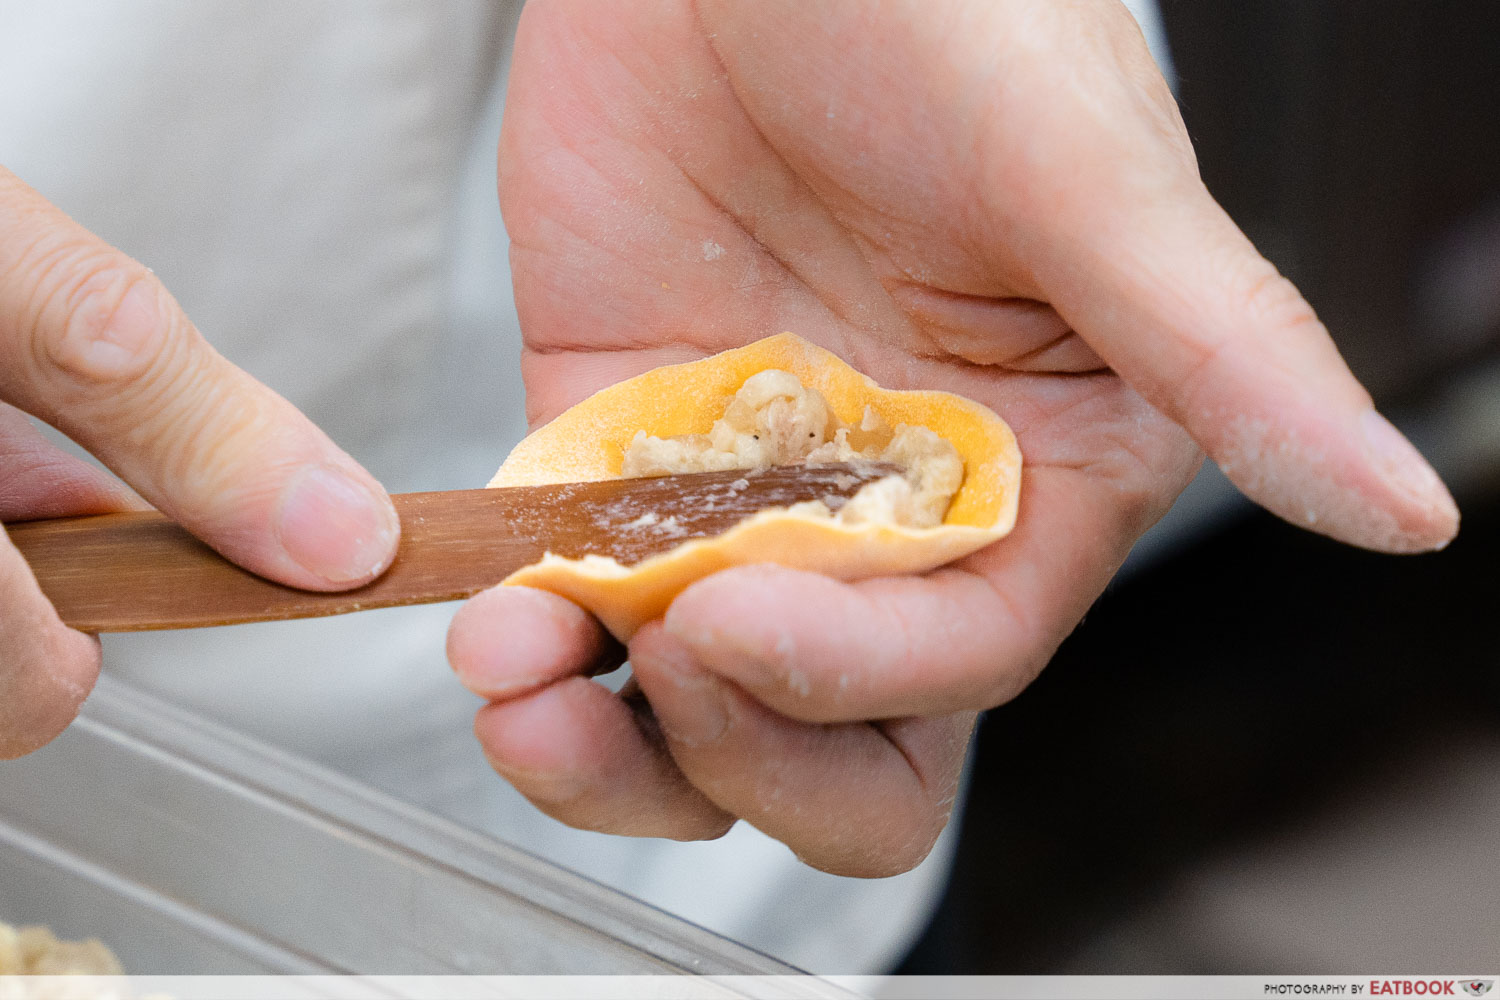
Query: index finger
92	343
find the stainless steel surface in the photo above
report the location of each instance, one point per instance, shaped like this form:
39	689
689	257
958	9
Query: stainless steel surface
191	849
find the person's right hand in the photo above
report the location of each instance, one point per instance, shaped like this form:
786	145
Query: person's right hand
93	344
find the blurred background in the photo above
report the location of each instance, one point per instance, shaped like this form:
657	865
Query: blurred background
1262	750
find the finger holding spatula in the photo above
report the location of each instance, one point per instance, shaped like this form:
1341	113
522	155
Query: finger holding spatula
93	344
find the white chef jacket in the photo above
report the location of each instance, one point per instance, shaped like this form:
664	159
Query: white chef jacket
315	183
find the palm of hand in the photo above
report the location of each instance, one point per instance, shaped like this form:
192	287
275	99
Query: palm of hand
660	209
664	205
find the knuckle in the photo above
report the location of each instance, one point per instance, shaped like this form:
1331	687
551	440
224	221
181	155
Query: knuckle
97	319
1143	476
1266	295
203	438
1265	322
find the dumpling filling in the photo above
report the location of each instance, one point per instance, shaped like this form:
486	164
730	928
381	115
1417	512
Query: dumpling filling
35	951
775	420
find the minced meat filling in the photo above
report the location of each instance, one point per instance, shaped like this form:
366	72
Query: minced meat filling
775	420
35	951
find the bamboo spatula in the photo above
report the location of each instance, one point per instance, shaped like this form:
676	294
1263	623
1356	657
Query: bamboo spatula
136	571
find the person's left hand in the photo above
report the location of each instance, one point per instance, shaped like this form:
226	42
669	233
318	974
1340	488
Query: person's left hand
992	197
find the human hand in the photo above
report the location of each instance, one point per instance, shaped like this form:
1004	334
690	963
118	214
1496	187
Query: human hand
93	344
994	197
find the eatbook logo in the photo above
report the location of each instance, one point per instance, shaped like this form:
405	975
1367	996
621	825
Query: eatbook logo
1476	987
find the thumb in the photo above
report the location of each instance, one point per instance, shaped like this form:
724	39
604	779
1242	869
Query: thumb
1147	268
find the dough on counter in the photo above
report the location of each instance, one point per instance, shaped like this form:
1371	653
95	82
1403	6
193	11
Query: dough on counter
36	951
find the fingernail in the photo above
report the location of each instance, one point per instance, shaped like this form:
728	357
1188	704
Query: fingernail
690	705
123	346
336	527
494	676
1405	468
493	657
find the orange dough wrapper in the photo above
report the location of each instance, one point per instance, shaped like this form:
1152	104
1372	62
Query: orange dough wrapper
589	441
